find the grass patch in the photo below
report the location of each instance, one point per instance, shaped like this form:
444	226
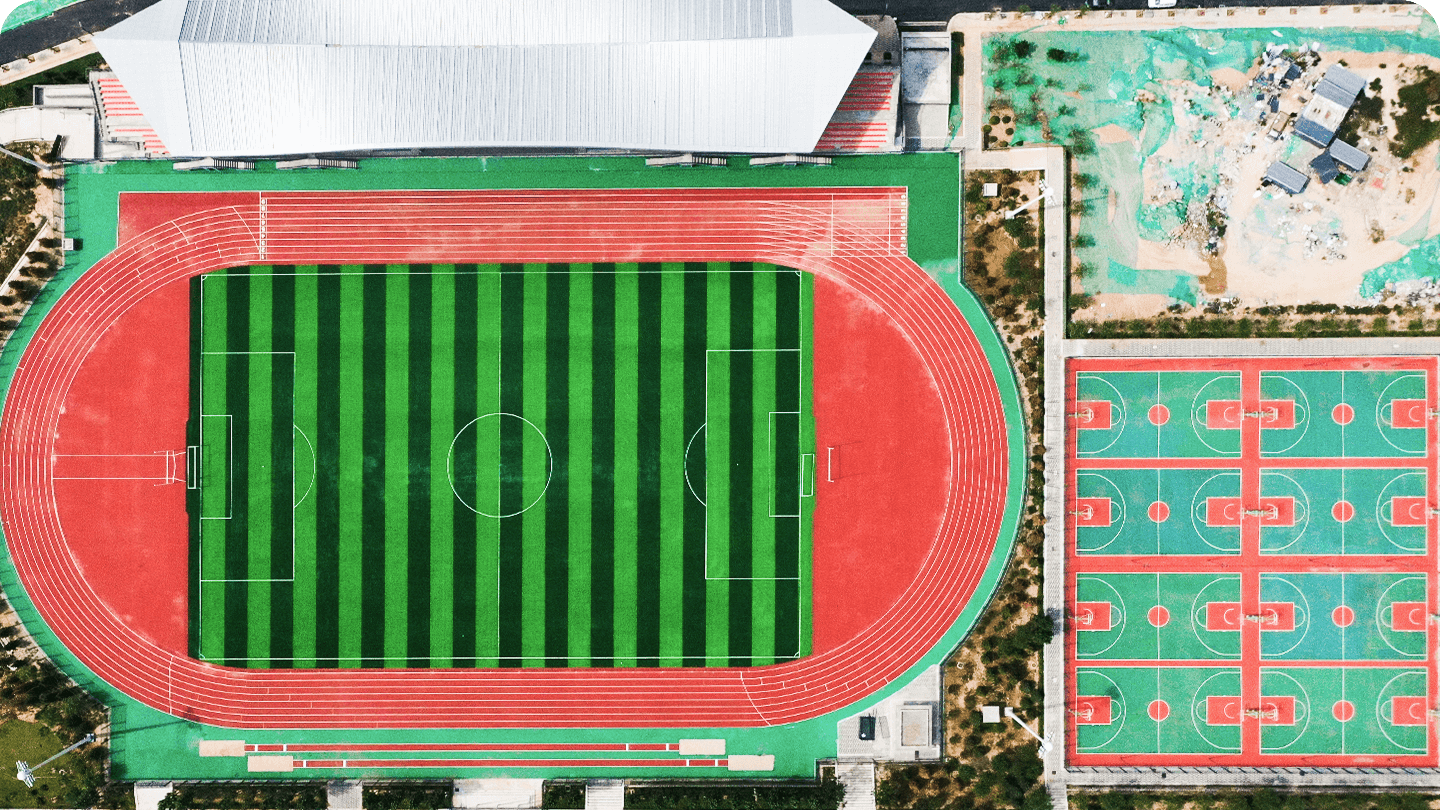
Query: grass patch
1417	126
76	72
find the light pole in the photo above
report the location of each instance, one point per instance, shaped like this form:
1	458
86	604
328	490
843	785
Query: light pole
26	774
991	714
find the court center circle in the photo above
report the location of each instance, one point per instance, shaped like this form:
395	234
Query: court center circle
1158	616
1159	511
1343	616
1159	414
1342	511
1159	710
1343	414
500	465
1343	710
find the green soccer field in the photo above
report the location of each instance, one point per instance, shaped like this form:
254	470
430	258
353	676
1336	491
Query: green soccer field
501	465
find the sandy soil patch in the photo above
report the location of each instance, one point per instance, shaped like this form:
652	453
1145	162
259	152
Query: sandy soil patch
1107	306
1229	77
1113	133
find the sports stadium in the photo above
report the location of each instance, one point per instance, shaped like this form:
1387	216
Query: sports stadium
525	467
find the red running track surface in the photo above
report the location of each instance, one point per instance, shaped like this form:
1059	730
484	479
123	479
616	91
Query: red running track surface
852	237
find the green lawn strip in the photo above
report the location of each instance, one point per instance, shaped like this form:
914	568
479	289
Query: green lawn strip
581	406
557	496
602	450
627	341
673	488
461	449
717	465
328	438
306	477
694	588
282	462
535	463
193	492
259	432
787	445
742	472
237	404
419	320
215	472
486	398
510	459
373	473
395	540
647	469
442	435
350	462
764	528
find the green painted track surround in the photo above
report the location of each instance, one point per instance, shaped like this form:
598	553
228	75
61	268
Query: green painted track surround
149	744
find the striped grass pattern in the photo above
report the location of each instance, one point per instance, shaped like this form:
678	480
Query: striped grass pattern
501	465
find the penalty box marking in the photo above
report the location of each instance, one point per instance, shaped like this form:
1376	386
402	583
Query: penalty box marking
1228	414
1408	413
1227	710
1094	414
1228	617
1224	511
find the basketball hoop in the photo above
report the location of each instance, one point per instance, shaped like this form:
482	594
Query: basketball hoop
1269	617
1085	618
1263	714
1086	714
1085	512
1272	512
1273	414
1083	415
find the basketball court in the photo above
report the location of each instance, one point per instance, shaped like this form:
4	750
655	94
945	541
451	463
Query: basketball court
1251	555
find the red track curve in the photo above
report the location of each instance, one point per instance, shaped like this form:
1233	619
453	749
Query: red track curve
854	236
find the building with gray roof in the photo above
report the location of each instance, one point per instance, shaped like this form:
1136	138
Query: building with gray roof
1325	168
1348	156
1333	98
1287	177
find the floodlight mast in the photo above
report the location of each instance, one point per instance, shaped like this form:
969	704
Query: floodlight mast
1045	745
26	774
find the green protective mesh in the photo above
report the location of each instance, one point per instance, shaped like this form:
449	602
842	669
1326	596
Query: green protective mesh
1099	88
32	11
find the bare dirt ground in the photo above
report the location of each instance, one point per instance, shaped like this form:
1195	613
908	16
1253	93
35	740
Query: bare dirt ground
1276	248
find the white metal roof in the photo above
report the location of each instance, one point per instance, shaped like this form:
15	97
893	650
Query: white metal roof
273	77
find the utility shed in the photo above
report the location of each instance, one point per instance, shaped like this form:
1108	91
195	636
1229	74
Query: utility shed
1349	156
1333	98
1287	177
1325	168
224	78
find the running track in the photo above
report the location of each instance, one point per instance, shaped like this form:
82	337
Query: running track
854	236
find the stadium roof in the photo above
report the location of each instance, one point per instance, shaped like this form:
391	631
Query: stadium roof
282	77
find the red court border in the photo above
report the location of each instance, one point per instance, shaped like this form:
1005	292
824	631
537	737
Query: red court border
854	236
1250	563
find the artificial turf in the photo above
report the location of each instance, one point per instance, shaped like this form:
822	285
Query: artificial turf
501	465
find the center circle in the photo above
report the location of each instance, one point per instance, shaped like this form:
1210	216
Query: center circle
1342	616
1343	710
1158	616
1159	511
1343	414
1159	710
1342	511
1159	414
500	465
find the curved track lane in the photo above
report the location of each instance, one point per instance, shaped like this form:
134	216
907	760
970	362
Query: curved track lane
854	236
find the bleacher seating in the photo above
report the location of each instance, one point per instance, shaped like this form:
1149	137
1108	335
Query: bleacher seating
121	118
852	136
870	91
